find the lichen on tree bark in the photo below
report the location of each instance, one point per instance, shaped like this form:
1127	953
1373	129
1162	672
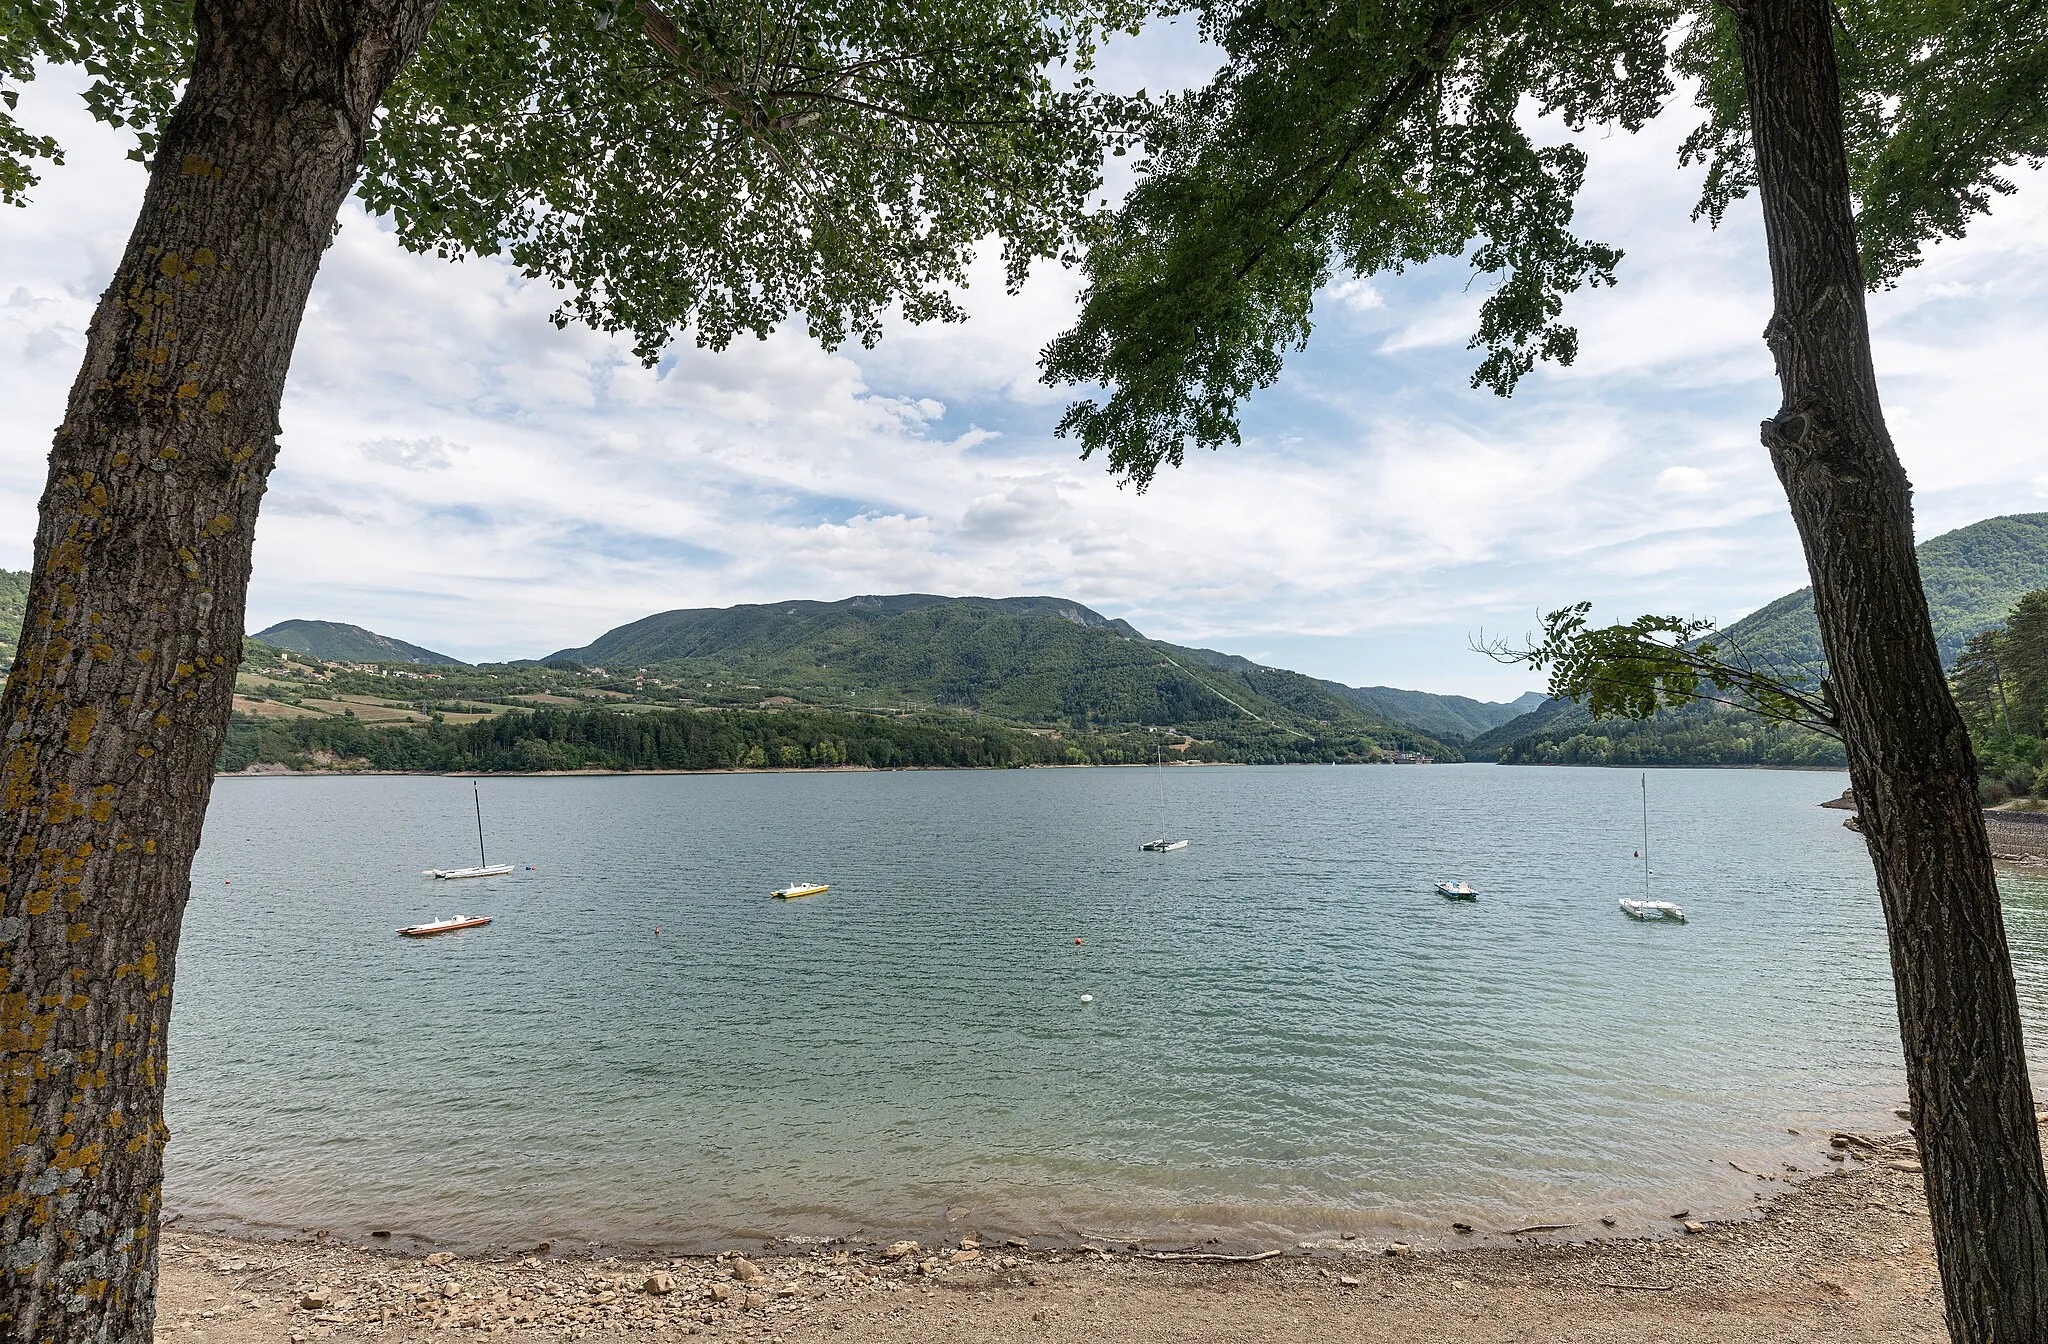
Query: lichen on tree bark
123	678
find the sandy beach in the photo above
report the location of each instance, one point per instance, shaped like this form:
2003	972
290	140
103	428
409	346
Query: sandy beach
1843	1256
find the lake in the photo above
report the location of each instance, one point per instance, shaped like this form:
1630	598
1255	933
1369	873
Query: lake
1290	1035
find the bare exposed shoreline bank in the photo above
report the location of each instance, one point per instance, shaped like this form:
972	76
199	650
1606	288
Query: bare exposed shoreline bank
1844	1257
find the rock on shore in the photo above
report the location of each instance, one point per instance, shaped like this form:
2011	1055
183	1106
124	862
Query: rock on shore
1843	1257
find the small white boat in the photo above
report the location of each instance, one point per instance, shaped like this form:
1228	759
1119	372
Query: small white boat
484	866
1456	891
1162	846
1647	908
449	925
796	889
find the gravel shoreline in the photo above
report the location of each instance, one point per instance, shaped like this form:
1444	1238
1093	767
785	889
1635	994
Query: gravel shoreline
1845	1256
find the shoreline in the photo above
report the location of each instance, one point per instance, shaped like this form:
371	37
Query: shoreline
283	772
1845	1255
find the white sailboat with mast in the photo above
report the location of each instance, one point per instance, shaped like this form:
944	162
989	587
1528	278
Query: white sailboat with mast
1647	908
1162	845
484	866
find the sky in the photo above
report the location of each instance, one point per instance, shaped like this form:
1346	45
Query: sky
459	473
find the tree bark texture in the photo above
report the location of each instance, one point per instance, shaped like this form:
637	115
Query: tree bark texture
124	676
1909	756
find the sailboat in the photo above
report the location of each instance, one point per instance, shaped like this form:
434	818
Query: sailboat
1647	908
1162	845
484	867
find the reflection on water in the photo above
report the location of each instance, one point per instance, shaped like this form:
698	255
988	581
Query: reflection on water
1289	1032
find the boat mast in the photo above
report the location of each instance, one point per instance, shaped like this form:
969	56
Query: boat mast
1646	835
1161	744
481	861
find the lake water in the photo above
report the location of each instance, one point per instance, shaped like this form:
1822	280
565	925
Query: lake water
1290	1036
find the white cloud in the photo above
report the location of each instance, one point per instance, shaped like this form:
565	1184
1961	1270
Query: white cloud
428	454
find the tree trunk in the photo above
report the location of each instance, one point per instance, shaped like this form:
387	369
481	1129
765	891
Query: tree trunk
1909	756
123	680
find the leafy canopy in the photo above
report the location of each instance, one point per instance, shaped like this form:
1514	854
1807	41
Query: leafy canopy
1359	138
1939	99
1351	139
709	165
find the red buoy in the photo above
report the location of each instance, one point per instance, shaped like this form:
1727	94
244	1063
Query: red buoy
1077	942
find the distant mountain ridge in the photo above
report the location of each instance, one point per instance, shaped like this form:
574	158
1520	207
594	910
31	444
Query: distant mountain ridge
763	628
1034	659
1972	576
335	642
1452	717
1045	661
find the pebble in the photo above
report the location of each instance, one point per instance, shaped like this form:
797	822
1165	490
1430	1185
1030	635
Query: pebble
898	1249
660	1283
318	1299
1348	1281
441	1258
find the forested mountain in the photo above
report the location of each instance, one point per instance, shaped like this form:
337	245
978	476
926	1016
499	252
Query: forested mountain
1029	660
1088	688
337	643
768	634
1451	717
1973	577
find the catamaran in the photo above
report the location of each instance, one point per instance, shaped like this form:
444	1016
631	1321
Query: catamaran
1647	908
1162	845
484	867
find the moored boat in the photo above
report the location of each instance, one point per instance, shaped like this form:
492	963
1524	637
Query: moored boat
796	889
1163	846
448	925
1457	891
1647	908
490	870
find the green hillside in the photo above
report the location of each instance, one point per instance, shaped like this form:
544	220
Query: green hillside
1972	575
13	606
334	642
1038	661
1451	717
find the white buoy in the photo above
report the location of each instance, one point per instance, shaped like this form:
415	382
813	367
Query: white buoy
1087	998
